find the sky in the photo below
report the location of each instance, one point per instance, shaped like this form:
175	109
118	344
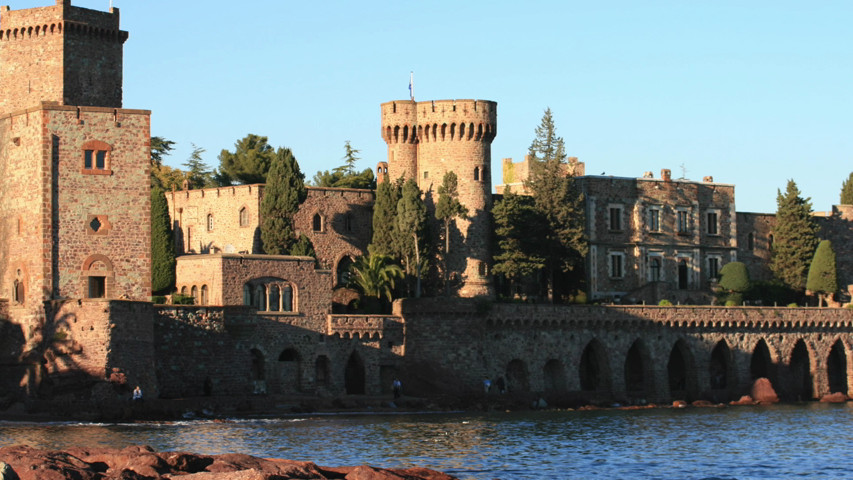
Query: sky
751	93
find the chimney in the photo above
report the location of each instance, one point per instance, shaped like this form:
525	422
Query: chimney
708	179
666	175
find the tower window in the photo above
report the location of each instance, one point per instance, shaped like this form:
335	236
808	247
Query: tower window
317	223
244	217
210	222
476	174
96	158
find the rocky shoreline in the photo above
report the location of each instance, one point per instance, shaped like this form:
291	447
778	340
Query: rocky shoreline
143	463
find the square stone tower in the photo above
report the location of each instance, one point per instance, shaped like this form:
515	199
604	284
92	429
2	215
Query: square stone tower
74	197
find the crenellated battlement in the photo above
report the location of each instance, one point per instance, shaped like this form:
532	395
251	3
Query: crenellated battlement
439	121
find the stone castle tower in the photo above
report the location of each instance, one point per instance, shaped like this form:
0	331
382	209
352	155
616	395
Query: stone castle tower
74	201
426	140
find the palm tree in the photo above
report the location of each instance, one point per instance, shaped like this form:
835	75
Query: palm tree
374	276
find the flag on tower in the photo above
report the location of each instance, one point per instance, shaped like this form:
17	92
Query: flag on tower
412	85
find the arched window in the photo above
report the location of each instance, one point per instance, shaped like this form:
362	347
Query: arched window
247	294
287	299
204	299
317	223
18	291
244	217
269	295
274	298
194	293
98	277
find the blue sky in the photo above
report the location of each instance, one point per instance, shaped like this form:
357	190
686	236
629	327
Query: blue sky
751	93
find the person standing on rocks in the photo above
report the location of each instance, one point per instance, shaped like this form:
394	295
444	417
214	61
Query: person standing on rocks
137	395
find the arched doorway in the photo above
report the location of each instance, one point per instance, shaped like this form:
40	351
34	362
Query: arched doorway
635	370
678	372
800	380
592	370
516	376
555	376
259	385
761	366
290	363
322	371
836	368
354	375
721	367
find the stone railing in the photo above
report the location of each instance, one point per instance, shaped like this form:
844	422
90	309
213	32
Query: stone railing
363	326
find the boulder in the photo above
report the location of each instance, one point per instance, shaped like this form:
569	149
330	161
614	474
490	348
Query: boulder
763	392
6	472
679	404
744	400
836	397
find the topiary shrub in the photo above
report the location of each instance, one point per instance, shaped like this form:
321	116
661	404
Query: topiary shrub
664	303
792	305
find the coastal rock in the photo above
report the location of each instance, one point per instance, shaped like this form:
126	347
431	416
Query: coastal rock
744	400
763	392
143	463
836	397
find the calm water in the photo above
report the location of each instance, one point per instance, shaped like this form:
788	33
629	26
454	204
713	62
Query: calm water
780	442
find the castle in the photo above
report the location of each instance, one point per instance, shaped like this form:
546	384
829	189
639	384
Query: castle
78	325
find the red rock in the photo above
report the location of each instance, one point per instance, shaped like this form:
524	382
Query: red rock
702	403
836	397
763	392
369	473
744	400
679	404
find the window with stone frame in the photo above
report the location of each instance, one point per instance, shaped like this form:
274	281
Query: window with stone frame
653	224
683	221
712	226
270	295
96	158
616	264
655	268
615	218
317	223
714	263
244	217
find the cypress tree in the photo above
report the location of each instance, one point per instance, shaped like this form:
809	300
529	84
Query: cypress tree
447	209
847	191
516	226
794	238
162	244
823	279
558	202
284	192
411	230
385	220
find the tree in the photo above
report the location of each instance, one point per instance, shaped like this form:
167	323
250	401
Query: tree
411	230
284	192
515	221
734	281
447	210
162	244
160	147
558	202
847	191
795	238
373	276
198	173
345	176
385	219
249	163
823	279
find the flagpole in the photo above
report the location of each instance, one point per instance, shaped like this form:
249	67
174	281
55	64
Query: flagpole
412	86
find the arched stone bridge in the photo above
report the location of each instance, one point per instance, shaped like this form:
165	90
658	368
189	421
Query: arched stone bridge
628	353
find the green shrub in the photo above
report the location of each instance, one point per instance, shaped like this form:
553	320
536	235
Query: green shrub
664	303
178	299
732	303
158	299
60	336
792	305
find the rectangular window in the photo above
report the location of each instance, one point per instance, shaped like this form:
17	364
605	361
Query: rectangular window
683	221
100	159
654	220
97	287
88	156
655	263
615	219
617	265
713	267
713	225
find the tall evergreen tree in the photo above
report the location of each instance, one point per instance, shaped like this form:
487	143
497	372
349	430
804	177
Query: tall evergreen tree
345	176
199	174
162	244
447	209
794	238
284	192
249	163
516	225
558	202
823	278
847	191
411	230
160	147
385	219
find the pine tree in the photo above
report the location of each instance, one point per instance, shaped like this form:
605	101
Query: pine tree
823	279
249	163
284	192
447	210
559	203
199	174
385	219
162	244
794	238
516	224
411	230
847	191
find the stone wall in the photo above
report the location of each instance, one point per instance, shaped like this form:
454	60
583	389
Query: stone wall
838	228
755	233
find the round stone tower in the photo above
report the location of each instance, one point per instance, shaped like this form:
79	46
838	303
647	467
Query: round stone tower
428	139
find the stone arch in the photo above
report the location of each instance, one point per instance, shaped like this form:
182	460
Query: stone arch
517	378
554	374
836	368
342	270
593	370
272	294
290	368
680	372
98	277
800	380
354	375
194	293
637	370
761	363
721	367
